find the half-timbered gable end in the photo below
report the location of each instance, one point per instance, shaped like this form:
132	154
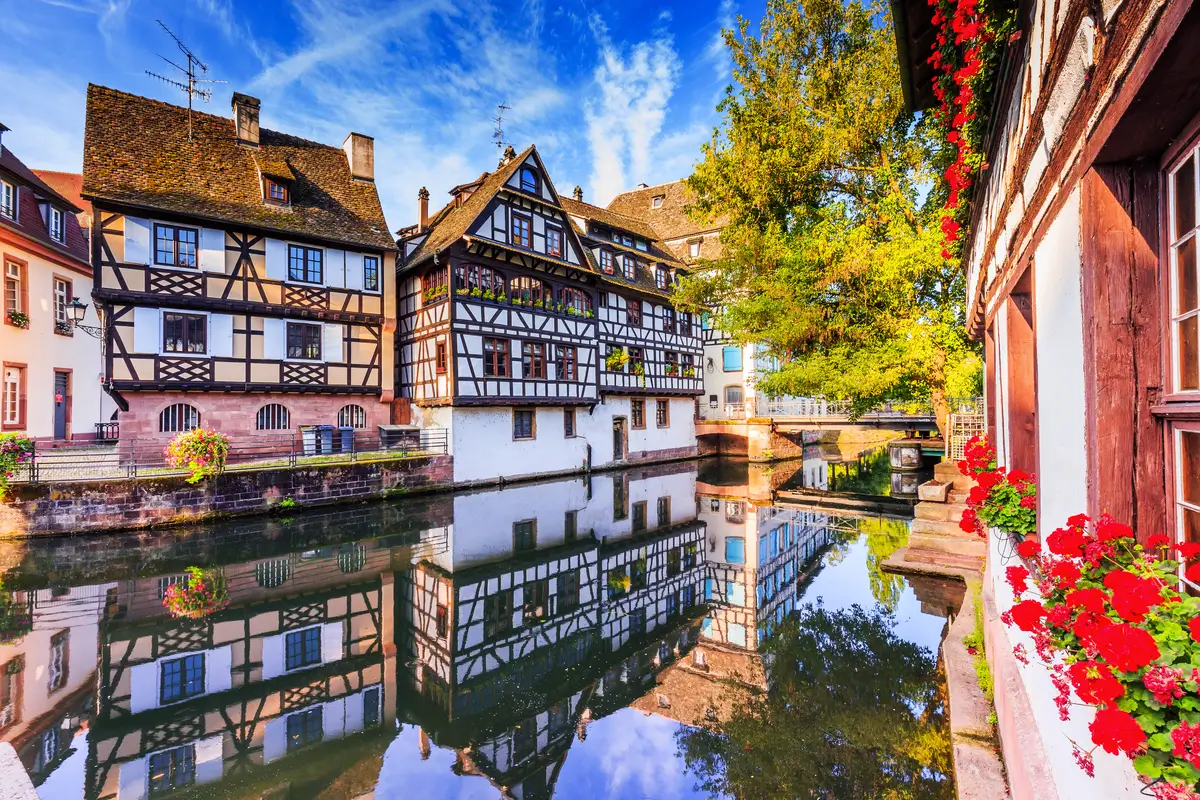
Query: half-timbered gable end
242	260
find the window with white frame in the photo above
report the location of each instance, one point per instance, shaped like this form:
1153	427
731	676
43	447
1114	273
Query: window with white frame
14	288
62	299
56	667
8	200
11	412
657	201
694	249
58	231
352	416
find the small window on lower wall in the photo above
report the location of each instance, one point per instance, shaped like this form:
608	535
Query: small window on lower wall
441	357
569	423
637	412
272	417
352	416
662	413
524	424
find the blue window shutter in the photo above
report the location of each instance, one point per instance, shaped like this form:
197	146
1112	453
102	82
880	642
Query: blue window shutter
732	357
735	550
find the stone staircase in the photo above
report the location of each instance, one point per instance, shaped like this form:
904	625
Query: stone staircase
936	539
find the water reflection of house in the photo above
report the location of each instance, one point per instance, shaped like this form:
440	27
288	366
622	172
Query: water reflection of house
48	675
303	654
506	637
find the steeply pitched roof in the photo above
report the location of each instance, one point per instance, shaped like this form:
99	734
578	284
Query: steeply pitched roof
136	151
670	220
613	219
67	184
29	222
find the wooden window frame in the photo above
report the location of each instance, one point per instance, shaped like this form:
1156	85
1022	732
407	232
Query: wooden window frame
514	233
567	361
371	277
479	276
628	267
633	318
22	294
637	355
637	415
55	280
536	180
607	257
185	318
663	511
532	424
499	359
637	517
570	525
557	252
439	358
269	187
662	413
533	360
533	535
668	318
22	396
569	431
661	277
174	239
287	341
581	301
530	290
307	261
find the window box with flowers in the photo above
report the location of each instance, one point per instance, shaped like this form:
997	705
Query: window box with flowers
434	293
616	360
18	319
64	328
671	369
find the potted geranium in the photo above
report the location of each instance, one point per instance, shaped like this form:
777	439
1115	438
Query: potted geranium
1003	500
203	593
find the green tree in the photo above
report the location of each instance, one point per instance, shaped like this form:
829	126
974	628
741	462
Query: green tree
832	255
851	711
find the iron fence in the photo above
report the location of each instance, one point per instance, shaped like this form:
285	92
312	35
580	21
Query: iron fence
134	458
819	408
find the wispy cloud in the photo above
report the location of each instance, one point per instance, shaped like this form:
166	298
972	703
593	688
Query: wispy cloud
716	52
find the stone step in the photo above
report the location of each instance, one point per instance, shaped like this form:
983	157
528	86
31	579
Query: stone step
940	512
941	544
957	496
940	528
946	471
967	562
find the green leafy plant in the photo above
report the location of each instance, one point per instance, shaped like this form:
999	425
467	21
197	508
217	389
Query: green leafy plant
16	450
502	298
689	372
476	292
203	593
18	319
672	369
201	451
435	292
616	359
461	291
488	294
287	502
15	618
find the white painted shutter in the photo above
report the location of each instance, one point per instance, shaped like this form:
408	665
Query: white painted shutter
354	271
146	336
137	241
275	739
274	338
210	759
332	346
335	268
333	719
131	781
355	712
220	335
143	687
276	259
272	657
212	250
331	643
218	669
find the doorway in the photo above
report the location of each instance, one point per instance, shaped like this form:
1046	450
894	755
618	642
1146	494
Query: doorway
619	440
62	403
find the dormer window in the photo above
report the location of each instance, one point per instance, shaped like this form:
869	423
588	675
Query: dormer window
58	231
694	249
640	244
661	277
8	200
657	201
529	180
606	262
628	267
277	191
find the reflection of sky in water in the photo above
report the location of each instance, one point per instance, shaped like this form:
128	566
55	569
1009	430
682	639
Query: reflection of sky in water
67	779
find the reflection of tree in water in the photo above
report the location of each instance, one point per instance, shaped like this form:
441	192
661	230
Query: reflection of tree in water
870	474
851	711
884	537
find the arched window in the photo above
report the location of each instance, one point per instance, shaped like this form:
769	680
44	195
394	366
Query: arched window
273	574
178	417
472	276
529	291
273	417
575	301
351	557
529	180
352	416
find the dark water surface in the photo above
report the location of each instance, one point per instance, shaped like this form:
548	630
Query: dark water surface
665	632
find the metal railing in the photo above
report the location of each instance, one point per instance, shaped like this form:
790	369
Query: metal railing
134	458
816	407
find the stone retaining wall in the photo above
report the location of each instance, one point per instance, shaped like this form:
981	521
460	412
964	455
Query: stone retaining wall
142	502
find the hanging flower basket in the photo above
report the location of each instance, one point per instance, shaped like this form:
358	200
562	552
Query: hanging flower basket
203	593
200	451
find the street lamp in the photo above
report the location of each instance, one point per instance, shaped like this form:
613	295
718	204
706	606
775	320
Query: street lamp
78	312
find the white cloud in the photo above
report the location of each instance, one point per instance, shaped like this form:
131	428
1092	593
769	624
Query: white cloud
44	135
716	53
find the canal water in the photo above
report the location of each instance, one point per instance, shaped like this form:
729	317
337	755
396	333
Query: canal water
664	632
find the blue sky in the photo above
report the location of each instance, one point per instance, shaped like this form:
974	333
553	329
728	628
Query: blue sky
613	93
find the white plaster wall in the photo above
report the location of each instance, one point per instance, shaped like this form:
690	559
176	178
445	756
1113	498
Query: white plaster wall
484	448
1062	455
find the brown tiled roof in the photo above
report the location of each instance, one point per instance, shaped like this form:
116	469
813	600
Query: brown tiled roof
656	253
613	219
29	220
67	184
671	219
136	152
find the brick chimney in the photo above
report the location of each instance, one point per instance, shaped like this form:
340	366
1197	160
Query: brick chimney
422	209
360	151
245	118
578	194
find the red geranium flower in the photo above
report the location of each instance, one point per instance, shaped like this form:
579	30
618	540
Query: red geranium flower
1117	731
1088	599
989	479
977	496
1016	575
1065	574
1027	615
1127	647
1157	541
1186	738
1017	477
1108	529
1028	548
1067	542
1188	550
1059	616
1094	683
1192	573
1078	520
1088	626
1194	628
969	522
1163	683
1132	596
1029	501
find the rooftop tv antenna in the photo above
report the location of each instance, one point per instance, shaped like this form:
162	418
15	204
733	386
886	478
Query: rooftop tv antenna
191	88
498	135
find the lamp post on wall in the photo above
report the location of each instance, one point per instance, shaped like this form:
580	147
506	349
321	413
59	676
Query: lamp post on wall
78	312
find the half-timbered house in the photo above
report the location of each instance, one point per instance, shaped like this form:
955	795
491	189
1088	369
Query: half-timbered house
505	327
302	655
245	274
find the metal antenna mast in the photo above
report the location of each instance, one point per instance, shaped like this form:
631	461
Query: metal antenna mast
498	135
191	89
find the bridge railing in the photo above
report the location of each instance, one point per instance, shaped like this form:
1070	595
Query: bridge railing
817	408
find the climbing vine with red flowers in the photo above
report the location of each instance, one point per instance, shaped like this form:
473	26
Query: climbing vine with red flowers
966	53
1113	630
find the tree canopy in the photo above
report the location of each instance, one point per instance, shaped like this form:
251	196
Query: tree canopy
831	257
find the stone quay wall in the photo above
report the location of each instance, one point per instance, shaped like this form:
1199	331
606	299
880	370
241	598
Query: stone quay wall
144	502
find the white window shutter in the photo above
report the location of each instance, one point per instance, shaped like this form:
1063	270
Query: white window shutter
331	347
210	758
331	643
274	335
354	271
333	719
143	687
146	337
137	241
272	656
276	259
131	780
275	739
218	669
335	268
220	335
354	712
212	250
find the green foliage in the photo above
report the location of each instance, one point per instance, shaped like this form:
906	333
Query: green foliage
884	538
16	449
974	643
201	451
850	710
832	253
